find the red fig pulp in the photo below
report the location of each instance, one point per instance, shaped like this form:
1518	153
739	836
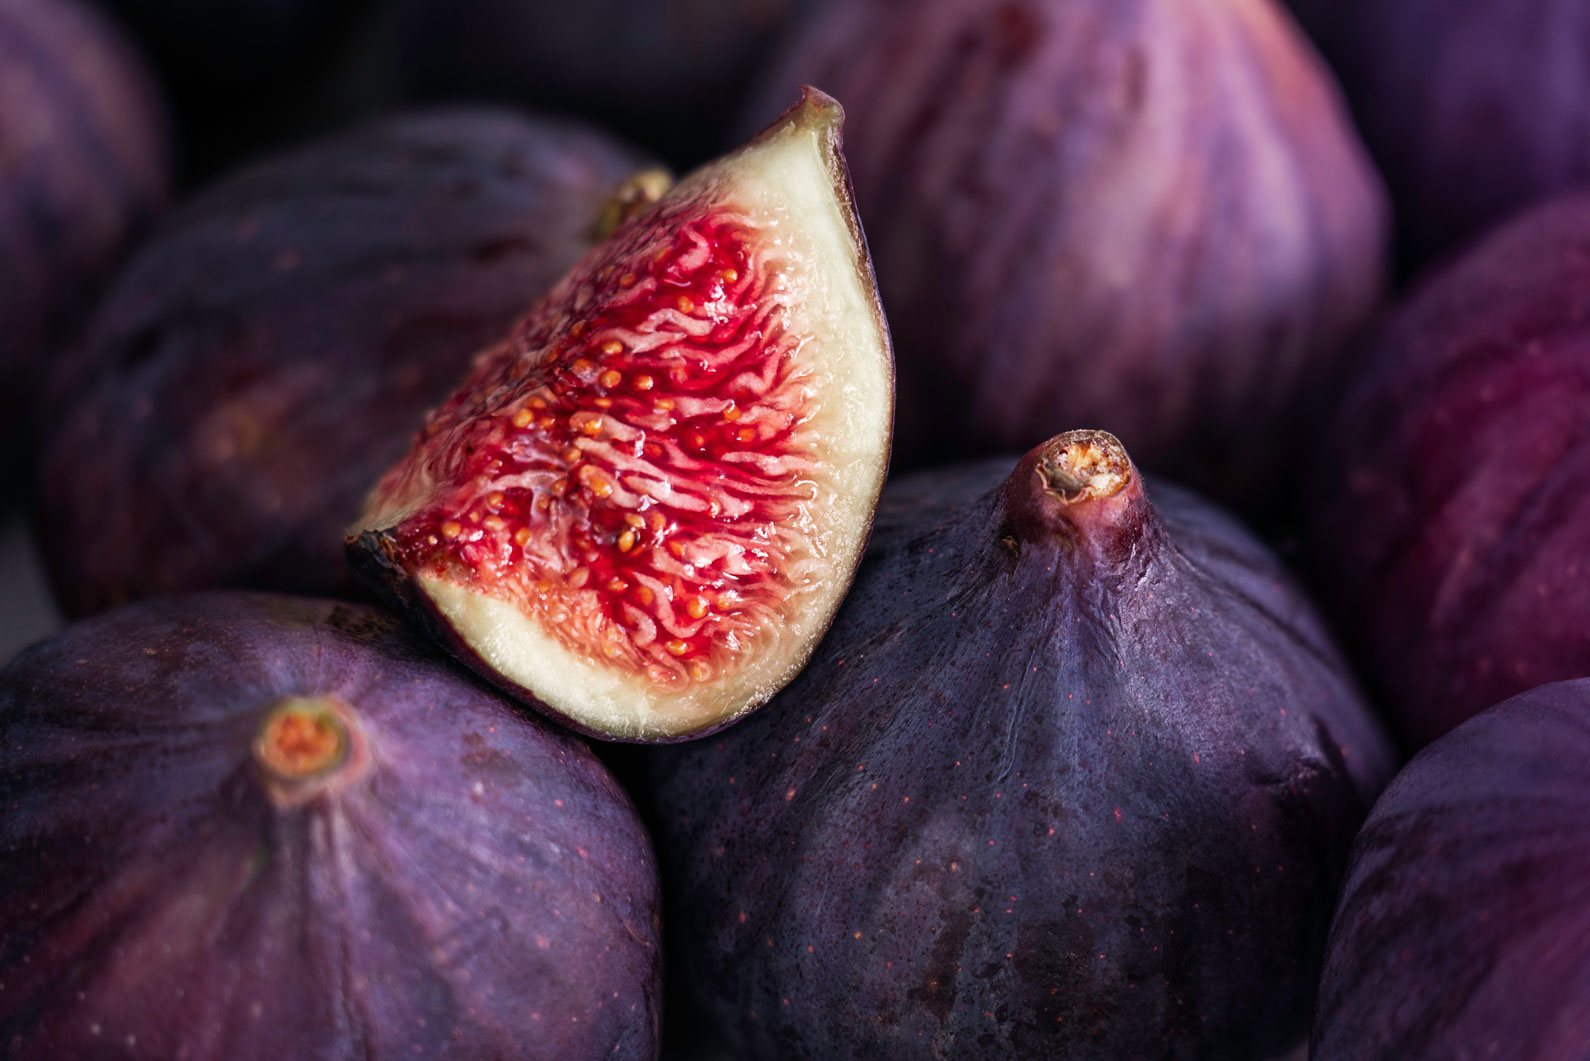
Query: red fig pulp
642	508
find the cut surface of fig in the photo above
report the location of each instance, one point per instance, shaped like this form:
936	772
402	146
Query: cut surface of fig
641	509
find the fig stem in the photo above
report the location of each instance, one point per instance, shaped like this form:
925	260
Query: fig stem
1084	465
302	744
638	191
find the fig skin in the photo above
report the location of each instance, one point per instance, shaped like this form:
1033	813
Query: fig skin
1067	779
83	167
1060	237
470	883
1460	929
1450	514
1474	109
268	353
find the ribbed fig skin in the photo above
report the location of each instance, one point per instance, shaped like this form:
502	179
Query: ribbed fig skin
1461	930
1450	518
1474	109
1085	792
480	888
83	167
1151	215
271	350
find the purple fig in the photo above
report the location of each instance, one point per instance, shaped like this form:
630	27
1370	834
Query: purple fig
1461	929
1073	774
248	826
1148	214
82	168
1450	520
273	347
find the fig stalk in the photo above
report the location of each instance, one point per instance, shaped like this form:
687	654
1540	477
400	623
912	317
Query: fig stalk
1079	487
307	745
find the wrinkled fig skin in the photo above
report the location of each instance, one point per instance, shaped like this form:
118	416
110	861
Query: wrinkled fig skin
1060	236
1473	108
668	74
1068	785
478	887
270	351
1451	513
82	167
1461	928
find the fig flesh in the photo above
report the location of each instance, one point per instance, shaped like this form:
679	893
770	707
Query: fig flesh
1073	776
642	508
1461	929
1150	215
267	354
1449	520
248	826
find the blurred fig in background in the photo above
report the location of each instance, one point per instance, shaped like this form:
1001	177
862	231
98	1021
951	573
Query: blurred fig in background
246	826
1449	522
1473	108
1461	929
273	348
83	166
667	73
1150	215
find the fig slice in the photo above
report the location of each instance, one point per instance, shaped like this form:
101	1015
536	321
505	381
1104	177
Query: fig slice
641	509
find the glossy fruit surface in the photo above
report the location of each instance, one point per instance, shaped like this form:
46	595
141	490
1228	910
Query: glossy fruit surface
1461	929
1451	514
641	509
1148	215
248	826
1073	775
269	351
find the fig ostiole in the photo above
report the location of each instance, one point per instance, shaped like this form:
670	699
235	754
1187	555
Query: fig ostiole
250	826
1075	774
642	508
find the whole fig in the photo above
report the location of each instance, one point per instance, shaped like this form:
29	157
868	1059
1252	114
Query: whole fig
1151	215
247	826
1073	775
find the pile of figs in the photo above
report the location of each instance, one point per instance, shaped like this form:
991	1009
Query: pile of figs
791	529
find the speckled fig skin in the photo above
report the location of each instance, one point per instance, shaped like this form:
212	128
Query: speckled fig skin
1073	775
1461	927
1450	517
1146	214
269	352
469	882
83	167
1474	109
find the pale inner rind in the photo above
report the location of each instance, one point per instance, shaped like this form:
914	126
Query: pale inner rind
785	185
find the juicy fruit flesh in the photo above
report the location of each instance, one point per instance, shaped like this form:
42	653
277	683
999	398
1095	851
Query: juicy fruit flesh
640	488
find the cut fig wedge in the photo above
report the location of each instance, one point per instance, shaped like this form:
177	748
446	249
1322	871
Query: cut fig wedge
641	510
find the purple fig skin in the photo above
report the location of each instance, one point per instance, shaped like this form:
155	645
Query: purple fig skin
268	353
1461	928
1474	109
1060	235
1450	517
83	167
1073	775
469	883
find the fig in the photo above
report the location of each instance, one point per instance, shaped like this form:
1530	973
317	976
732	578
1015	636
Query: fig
1474	109
667	74
267	354
1450	513
1146	214
642	507
1460	929
249	826
82	168
1074	775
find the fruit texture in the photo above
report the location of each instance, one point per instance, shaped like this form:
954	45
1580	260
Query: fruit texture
1149	215
641	509
250	826
1450	517
1075	774
268	353
1461	926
